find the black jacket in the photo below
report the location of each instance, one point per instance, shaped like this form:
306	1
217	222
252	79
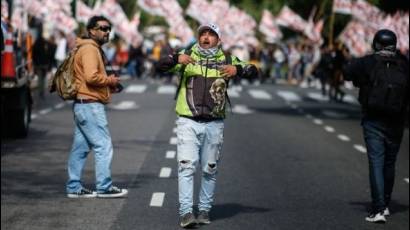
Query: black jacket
359	71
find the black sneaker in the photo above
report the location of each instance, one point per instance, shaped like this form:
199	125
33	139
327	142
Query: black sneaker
203	218
376	217
113	192
188	221
83	193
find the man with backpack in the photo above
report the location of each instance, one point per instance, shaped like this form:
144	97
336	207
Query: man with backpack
91	125
383	80
201	102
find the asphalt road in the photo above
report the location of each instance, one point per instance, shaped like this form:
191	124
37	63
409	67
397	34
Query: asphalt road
291	160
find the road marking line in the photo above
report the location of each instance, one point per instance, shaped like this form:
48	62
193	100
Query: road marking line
260	94
165	172
330	129
173	141
351	100
171	154
241	109
59	106
318	122
318	97
157	199
175	130
167	89
234	93
136	89
34	116
343	137
125	105
360	148
45	111
289	96
406	180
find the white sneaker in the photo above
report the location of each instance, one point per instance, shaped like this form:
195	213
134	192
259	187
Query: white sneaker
376	217
386	212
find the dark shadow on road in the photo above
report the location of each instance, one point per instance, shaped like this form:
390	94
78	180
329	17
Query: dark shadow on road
225	211
394	206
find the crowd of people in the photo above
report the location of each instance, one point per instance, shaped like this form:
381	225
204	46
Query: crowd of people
295	62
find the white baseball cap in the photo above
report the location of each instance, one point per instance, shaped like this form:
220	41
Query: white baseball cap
210	26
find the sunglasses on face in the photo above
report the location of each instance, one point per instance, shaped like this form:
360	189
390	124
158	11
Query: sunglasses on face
104	28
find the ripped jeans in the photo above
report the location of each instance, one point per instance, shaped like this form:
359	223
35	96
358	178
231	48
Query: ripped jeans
198	144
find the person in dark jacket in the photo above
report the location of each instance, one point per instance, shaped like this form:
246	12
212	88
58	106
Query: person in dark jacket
383	80
43	58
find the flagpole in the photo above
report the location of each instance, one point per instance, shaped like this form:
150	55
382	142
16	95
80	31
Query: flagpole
332	26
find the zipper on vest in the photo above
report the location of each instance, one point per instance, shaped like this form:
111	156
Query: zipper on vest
203	98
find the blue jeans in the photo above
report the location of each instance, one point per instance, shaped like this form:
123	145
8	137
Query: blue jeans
383	144
198	144
91	132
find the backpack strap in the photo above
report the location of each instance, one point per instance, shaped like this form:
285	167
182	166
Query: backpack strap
181	71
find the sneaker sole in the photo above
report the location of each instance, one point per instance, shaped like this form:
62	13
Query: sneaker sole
112	195
381	221
204	222
190	225
81	196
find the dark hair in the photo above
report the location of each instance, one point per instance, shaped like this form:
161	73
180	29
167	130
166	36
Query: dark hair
92	22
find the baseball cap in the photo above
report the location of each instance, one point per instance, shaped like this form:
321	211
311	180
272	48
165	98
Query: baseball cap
210	26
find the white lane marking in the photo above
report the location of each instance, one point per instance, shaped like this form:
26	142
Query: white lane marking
241	109
171	154
34	116
136	89
343	137
45	111
318	97
173	141
124	105
237	88
174	130
318	122
351	100
233	93
157	199
165	172
289	96
334	114
167	89
406	180
59	106
260	94
360	148
330	129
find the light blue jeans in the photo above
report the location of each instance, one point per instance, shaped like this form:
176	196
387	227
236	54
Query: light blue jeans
91	132
198	144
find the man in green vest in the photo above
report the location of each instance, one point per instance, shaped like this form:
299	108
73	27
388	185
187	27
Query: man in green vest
201	102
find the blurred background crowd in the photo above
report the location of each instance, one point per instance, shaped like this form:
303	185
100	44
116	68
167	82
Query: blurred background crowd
306	48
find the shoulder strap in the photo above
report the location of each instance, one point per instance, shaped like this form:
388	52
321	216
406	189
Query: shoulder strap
181	71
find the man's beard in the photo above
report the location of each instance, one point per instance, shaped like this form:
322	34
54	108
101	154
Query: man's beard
102	40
